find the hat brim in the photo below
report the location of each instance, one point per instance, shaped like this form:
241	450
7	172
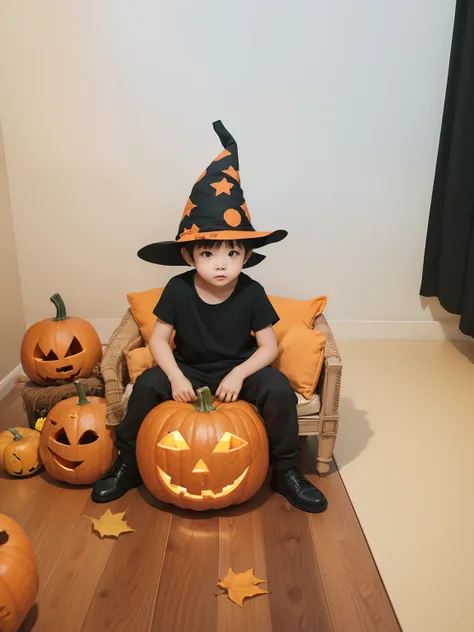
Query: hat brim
168	253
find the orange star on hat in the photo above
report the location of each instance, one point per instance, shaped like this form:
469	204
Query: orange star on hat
216	210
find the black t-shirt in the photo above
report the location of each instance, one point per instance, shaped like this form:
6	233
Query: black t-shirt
214	338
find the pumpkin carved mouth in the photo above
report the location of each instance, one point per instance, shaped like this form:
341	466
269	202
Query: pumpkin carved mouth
68	465
206	493
65	369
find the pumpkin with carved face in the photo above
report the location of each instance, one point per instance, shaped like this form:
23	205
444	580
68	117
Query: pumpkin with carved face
18	575
19	452
60	349
75	444
203	456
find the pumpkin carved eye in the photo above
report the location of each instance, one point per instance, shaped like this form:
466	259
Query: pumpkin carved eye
61	437
74	348
39	355
229	442
174	441
88	437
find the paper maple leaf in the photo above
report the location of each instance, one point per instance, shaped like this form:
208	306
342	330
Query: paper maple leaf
110	524
241	585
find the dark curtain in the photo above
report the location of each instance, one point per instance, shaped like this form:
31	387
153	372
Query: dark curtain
448	270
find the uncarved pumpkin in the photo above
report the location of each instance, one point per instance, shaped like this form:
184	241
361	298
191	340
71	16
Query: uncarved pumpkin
60	349
75	444
18	575
19	452
203	456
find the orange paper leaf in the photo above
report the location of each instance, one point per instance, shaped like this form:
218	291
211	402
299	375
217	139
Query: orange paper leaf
110	524
241	585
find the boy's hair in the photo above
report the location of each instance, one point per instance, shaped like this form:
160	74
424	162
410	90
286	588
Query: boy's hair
246	244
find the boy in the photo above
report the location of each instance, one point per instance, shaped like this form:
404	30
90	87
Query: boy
213	310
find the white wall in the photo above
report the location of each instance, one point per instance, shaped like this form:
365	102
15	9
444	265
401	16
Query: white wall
12	322
107	110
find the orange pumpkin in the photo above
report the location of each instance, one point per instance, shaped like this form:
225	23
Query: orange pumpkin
204	456
75	444
18	575
19	451
60	349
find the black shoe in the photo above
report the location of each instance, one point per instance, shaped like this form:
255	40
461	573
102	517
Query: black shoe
299	491
119	479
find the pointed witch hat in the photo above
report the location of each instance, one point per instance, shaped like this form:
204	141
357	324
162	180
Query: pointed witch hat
215	210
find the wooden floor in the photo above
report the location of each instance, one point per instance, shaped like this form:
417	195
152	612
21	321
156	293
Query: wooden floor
163	577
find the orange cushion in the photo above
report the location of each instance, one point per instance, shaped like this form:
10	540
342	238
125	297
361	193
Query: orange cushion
138	360
289	310
142	305
292	311
301	357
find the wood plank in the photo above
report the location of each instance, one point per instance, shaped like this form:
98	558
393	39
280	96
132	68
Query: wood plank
67	595
186	597
49	520
126	594
241	547
356	596
16	493
297	599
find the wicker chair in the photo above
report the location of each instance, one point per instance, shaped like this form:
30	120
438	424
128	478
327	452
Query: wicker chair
319	417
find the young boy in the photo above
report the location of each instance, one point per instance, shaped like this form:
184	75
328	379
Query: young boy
213	310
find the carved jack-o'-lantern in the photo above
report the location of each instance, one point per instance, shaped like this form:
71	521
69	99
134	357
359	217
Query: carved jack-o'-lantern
18	575
203	456
19	452
75	444
60	349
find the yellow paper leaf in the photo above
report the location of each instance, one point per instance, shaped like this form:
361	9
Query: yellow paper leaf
110	524
241	585
40	423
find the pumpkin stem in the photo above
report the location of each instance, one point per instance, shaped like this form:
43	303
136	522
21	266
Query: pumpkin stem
60	307
204	402
83	401
15	433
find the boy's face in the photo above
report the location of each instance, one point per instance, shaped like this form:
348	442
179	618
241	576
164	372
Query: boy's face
219	265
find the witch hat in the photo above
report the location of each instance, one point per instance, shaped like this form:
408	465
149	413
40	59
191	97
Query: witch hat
215	210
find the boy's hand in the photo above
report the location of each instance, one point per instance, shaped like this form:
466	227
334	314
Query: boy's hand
230	387
182	389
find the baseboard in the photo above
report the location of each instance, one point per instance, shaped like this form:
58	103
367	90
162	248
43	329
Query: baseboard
351	329
396	330
8	382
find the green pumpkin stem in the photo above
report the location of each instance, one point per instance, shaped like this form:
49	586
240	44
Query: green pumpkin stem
204	402
83	401
17	436
60	307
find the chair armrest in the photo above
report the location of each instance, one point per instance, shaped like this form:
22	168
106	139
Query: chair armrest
329	386
114	366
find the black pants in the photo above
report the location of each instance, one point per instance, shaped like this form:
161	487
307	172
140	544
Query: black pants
268	389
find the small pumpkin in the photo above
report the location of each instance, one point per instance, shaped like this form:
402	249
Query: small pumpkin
75	444
19	451
203	456
18	575
60	349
